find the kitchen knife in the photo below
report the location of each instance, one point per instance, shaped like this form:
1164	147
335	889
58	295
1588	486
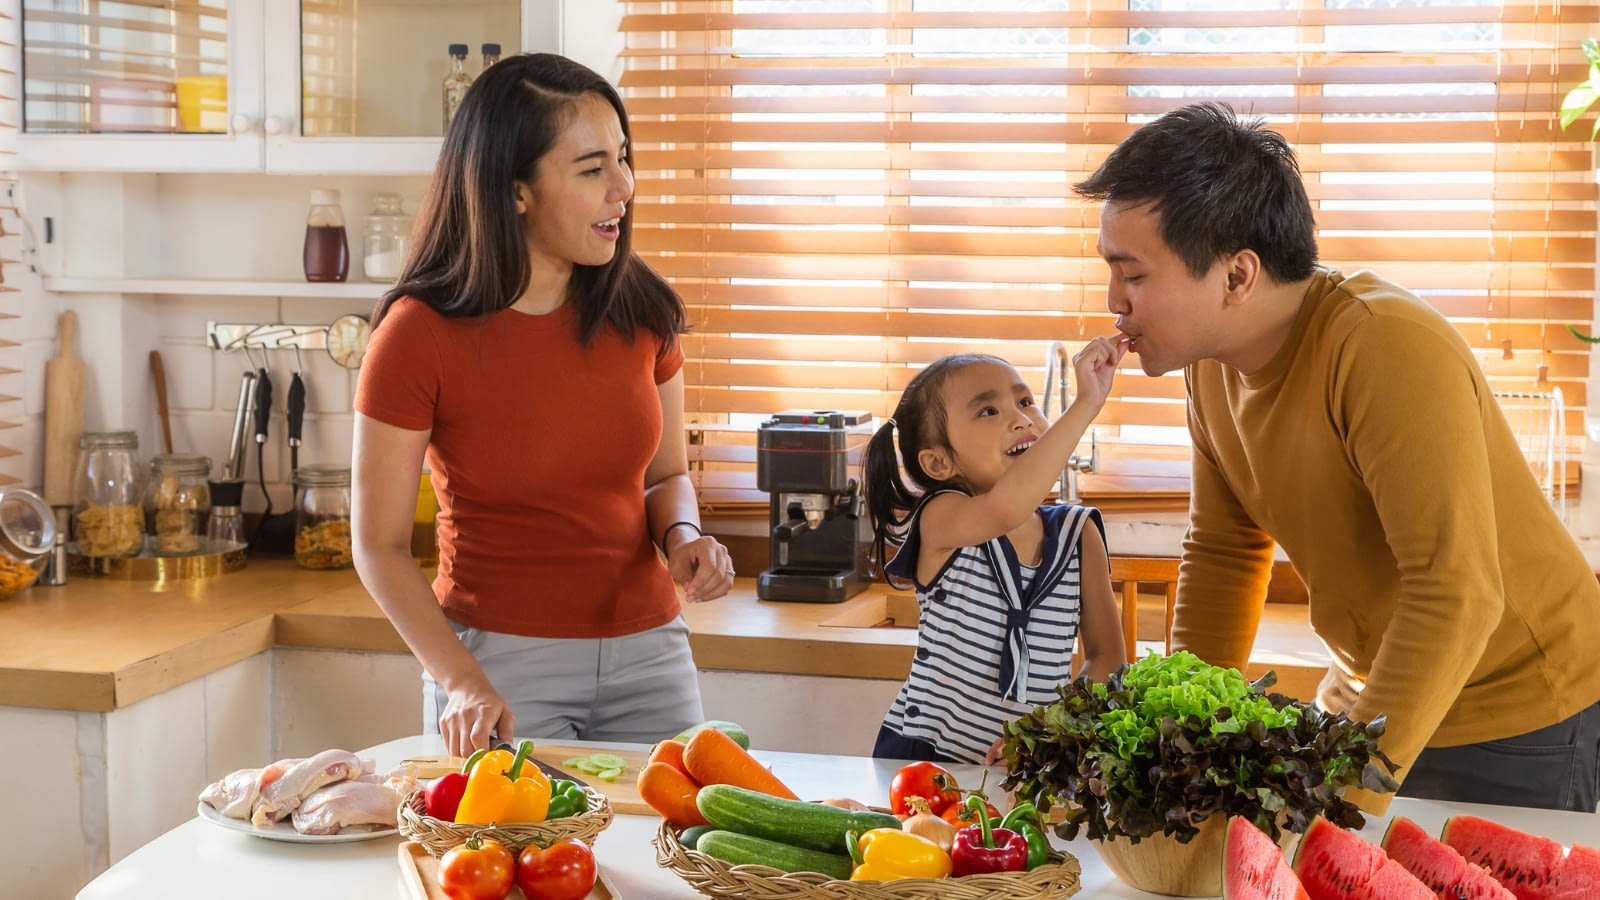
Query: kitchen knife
63	415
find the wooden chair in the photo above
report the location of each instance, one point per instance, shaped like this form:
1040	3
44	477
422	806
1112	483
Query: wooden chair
1131	571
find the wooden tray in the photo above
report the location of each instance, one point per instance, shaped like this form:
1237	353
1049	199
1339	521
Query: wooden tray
420	872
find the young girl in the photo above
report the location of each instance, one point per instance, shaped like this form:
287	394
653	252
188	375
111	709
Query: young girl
1005	585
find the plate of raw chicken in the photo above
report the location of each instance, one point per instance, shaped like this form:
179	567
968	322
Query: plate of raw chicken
329	798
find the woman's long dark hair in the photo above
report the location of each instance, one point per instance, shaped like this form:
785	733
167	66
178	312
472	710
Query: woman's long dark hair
469	254
920	421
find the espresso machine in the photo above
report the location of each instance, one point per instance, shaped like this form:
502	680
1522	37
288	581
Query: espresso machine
809	462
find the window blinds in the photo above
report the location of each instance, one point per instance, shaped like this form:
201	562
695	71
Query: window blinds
843	190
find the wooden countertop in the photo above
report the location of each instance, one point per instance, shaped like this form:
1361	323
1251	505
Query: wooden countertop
97	645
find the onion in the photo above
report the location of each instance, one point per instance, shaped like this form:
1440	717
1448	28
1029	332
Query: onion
846	803
923	823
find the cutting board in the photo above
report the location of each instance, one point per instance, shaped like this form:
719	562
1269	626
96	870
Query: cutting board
622	794
420	872
63	415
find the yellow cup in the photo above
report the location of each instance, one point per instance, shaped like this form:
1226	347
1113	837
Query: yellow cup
203	103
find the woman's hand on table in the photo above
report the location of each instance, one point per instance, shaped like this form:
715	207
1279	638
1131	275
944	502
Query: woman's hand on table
703	566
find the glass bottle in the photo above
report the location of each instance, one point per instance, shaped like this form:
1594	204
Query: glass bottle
177	502
27	536
225	531
491	55
456	82
387	236
322	517
424	524
327	250
108	495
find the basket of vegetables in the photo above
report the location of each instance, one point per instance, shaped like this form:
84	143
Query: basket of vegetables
500	789
1151	763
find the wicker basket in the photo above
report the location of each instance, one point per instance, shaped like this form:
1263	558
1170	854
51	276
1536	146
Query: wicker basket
715	878
438	836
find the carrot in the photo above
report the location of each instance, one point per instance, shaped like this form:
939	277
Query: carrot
670	793
671	753
714	758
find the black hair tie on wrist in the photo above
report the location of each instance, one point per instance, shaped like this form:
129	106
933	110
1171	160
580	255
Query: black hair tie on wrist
665	534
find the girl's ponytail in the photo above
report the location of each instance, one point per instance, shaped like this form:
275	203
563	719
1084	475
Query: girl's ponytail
889	501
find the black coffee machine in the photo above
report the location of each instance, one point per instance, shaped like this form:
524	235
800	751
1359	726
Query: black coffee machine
809	461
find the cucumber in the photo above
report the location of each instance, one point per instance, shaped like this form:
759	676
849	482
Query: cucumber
741	849
692	835
812	826
731	729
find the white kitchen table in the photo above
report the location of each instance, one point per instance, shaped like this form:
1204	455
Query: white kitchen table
200	860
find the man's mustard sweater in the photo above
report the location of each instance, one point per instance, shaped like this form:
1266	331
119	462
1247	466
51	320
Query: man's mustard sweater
1448	592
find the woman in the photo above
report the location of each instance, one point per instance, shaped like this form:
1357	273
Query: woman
533	359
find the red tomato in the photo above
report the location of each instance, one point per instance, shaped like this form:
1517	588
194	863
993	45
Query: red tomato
954	812
563	871
480	869
918	780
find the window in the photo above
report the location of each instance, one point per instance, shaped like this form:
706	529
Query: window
844	190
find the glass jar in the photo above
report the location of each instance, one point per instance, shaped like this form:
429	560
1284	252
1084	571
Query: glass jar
177	503
386	239
108	495
27	535
327	250
322	517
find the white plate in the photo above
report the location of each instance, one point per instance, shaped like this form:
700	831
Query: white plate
283	831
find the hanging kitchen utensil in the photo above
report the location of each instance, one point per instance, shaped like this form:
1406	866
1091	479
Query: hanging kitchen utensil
158	373
296	412
63	415
234	470
347	340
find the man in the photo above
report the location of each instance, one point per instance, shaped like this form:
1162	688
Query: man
1344	419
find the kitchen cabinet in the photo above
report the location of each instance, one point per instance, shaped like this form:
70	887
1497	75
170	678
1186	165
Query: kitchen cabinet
275	86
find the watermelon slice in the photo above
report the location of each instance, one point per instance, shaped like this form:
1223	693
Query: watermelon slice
1336	864
1438	865
1531	867
1253	868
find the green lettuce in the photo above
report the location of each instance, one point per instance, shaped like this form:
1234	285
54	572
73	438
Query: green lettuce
1166	743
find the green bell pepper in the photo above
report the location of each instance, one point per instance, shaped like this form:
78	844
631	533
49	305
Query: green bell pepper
1024	819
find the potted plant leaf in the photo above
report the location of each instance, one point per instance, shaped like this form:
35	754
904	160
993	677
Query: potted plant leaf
1166	749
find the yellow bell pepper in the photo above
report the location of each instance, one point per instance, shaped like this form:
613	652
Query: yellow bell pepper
498	792
889	854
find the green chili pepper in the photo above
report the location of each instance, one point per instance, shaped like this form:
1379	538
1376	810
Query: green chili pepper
560	808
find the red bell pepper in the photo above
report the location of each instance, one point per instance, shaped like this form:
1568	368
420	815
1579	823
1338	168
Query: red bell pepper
982	848
443	796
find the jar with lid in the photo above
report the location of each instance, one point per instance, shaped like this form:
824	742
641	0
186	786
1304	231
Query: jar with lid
177	503
27	534
322	517
386	238
108	495
327	250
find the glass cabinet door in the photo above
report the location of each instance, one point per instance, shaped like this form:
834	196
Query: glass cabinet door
140	85
376	68
363	86
124	67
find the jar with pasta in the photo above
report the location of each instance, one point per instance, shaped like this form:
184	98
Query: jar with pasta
27	533
322	517
108	495
177	503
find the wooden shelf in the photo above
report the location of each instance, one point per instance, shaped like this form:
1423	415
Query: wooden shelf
211	287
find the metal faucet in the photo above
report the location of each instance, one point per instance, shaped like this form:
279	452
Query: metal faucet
1056	369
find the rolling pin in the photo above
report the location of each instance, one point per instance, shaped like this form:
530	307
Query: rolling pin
158	371
63	415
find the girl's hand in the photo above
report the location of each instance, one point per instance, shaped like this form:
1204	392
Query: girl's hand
1095	365
995	755
471	716
704	568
